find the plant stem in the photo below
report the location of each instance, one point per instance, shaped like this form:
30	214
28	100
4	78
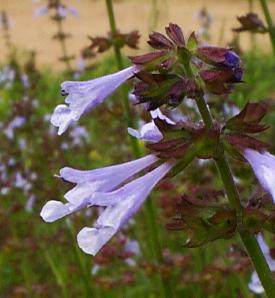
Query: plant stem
63	46
248	240
126	105
270	25
150	208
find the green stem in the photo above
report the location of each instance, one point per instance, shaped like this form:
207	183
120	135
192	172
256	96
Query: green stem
248	240
270	25
150	208
126	105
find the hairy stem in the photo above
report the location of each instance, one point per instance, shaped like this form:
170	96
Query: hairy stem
270	25
150	208
248	240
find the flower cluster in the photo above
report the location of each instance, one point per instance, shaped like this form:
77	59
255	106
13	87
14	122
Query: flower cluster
181	68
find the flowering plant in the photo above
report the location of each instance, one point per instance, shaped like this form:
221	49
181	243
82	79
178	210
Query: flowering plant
177	68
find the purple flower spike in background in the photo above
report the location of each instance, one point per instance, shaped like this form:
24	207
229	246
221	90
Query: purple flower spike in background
84	96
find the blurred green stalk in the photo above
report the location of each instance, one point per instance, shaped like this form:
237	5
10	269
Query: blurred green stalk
249	241
85	269
150	208
269	21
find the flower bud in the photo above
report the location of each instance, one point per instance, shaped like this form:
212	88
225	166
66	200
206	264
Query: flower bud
218	56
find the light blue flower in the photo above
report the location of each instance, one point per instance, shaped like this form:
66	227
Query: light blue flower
149	132
104	187
81	97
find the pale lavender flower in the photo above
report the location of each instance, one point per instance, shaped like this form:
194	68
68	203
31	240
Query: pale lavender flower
29	203
3	173
255	284
33	176
95	269
230	110
80	67
61	11
47	117
4	190
11	162
149	132
73	11
25	81
7	76
64	146
101	187
21	182
84	96
263	165
22	144
177	116
78	134
35	103
18	121
104	179
132	246
40	11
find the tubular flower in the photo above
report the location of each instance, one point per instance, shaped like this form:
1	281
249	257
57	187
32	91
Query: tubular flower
84	96
263	165
149	132
102	187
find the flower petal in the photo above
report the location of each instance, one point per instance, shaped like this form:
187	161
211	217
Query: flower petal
123	204
54	210
255	284
263	165
63	117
